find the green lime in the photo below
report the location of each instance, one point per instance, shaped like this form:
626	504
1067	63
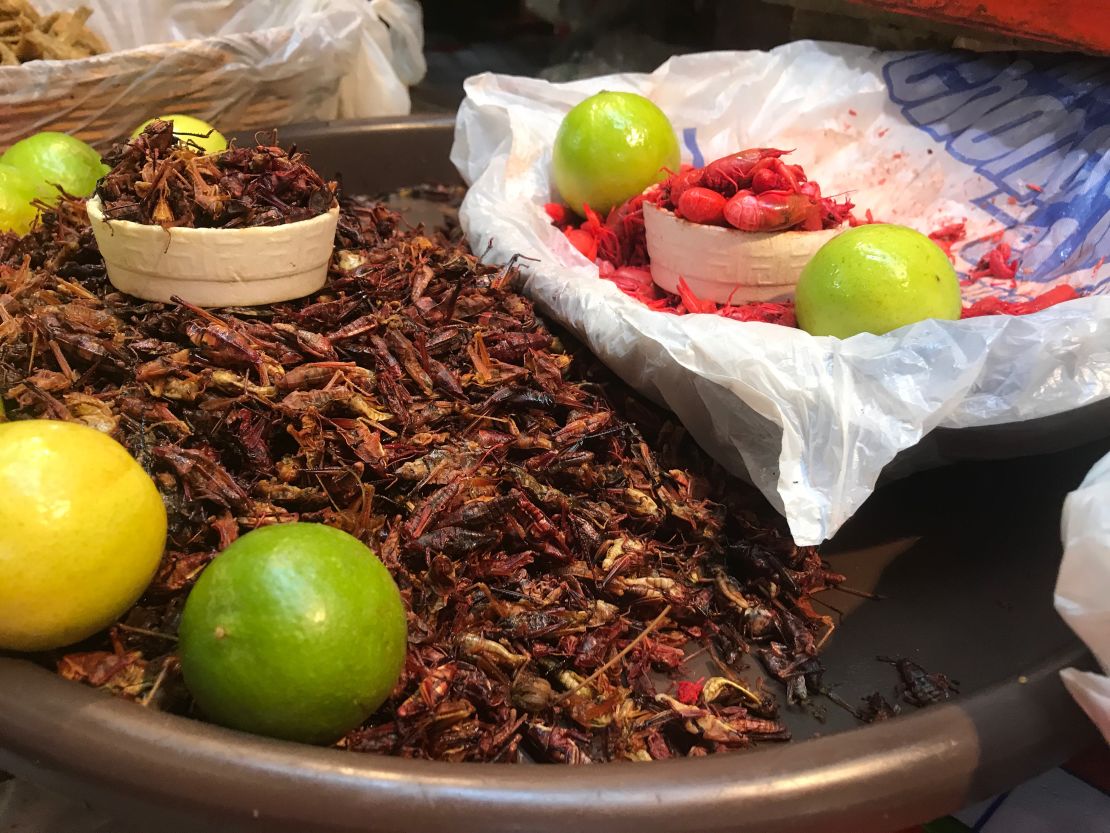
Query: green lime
57	159
295	631
17	190
611	147
192	129
874	279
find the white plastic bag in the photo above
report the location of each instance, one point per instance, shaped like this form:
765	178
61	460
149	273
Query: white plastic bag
241	64
919	138
1081	596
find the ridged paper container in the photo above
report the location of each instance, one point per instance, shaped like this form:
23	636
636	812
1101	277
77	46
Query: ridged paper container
727	265
216	267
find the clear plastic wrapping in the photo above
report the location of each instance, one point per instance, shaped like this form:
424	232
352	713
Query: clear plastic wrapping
1081	589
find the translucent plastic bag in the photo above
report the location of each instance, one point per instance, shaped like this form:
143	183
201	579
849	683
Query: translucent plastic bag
1082	596
919	138
242	64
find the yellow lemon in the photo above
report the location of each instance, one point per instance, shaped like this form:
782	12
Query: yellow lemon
192	129
82	528
17	190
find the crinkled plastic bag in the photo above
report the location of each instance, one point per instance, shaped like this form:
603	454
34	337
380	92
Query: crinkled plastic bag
919	138
1081	596
241	64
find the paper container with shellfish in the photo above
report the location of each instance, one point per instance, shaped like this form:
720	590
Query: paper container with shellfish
96	68
1002	159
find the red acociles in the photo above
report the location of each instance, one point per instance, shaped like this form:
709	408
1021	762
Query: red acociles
752	190
737	171
772	211
702	205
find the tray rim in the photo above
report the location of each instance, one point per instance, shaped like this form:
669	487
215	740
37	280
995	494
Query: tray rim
896	773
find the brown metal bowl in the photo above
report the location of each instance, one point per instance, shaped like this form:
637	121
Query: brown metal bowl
965	558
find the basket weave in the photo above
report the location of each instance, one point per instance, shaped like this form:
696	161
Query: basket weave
236	81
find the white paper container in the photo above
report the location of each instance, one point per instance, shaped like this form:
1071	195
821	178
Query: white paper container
216	267
724	264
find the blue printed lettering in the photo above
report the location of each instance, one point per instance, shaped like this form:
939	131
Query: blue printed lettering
1016	123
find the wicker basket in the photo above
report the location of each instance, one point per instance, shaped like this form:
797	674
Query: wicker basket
240	82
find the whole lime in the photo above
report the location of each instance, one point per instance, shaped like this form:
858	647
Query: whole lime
17	189
611	147
873	279
82	528
52	158
295	631
192	129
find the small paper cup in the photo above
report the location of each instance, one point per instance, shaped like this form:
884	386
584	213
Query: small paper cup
727	265
216	267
